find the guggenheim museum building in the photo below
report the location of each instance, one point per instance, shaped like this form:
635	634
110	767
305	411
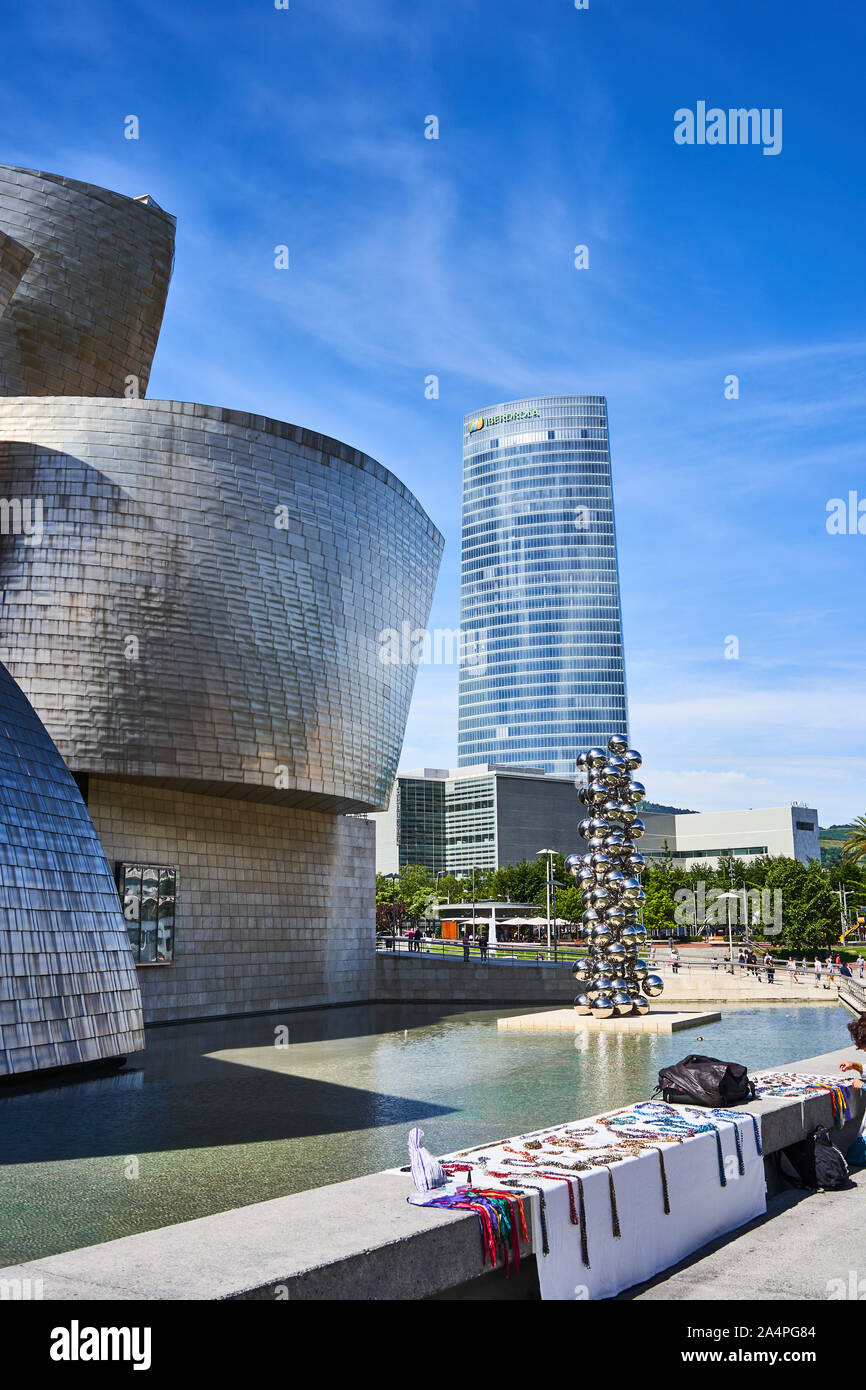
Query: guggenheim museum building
194	713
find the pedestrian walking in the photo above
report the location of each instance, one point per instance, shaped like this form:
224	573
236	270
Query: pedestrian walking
482	945
466	941
817	972
860	969
792	971
674	960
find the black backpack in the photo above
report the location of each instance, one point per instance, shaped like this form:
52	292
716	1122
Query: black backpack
705	1081
816	1162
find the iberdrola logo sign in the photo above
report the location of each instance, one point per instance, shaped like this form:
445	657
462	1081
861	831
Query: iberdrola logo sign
481	421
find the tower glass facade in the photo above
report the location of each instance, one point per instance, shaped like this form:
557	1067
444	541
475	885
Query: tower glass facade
540	603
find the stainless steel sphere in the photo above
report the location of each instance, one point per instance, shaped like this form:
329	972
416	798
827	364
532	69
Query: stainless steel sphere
632	759
602	983
620	984
628	815
601	934
603	1006
616	953
652	985
597	793
628	935
596	757
635	792
614	916
622	1003
637	828
614	878
581	972
617	744
582	796
642	1006
573	863
636	862
581	762
599	896
582	1004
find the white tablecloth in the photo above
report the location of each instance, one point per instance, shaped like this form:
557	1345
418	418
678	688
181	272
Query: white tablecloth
650	1241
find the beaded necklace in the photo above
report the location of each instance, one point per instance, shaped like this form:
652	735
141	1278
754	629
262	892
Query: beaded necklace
542	1203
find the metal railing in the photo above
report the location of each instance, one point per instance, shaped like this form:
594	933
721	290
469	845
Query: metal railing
853	995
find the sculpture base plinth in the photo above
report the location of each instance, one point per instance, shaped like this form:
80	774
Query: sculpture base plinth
570	1021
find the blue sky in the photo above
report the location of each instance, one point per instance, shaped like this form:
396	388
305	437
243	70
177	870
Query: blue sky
411	256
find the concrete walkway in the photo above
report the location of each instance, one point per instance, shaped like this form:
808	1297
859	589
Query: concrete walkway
807	1247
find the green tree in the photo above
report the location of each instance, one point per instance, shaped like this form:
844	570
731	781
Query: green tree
659	909
854	844
569	905
810	908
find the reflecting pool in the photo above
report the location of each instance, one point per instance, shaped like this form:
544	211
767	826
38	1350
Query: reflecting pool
218	1115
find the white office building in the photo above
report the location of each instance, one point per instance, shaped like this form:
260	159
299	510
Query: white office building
702	837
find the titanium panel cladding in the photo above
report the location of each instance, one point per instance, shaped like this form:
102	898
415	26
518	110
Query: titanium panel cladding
68	987
85	314
203	601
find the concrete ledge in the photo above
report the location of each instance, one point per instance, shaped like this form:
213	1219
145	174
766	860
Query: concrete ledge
569	1021
356	1240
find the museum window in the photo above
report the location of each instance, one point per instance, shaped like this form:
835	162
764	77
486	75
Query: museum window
148	893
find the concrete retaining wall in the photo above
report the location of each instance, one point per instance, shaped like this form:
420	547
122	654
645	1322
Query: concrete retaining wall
410	978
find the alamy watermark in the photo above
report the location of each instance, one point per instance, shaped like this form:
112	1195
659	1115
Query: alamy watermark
746	907
736	126
22	516
439	646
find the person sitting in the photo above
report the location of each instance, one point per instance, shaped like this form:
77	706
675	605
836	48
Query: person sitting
857	1029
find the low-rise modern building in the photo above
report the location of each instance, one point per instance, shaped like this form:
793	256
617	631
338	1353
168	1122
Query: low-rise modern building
481	817
702	837
192	599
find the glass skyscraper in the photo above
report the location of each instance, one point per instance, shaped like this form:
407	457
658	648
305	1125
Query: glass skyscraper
542	675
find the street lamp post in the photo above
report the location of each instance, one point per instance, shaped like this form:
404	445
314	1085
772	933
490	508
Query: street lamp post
394	878
550	853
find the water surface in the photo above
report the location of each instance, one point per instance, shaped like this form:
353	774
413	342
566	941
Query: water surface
217	1115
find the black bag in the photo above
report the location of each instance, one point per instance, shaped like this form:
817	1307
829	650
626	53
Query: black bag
705	1081
816	1162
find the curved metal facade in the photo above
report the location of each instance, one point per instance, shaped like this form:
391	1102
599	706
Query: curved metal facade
68	986
205	605
85	313
539	586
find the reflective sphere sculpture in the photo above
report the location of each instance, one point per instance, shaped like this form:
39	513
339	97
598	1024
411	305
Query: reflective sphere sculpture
617	982
582	1004
602	1006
